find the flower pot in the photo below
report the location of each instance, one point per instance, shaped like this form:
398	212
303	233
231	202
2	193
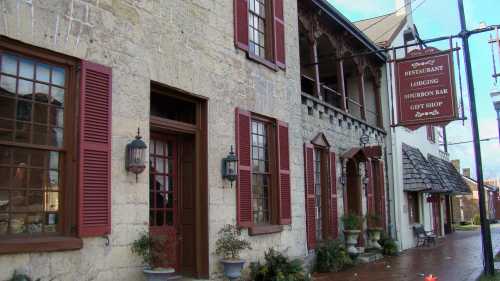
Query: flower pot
232	268
159	274
351	240
374	237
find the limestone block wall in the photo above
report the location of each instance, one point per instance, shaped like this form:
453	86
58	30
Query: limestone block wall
183	44
342	133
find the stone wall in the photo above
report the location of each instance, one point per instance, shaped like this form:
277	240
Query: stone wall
184	44
342	133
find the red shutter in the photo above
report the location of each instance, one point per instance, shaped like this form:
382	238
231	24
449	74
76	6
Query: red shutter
284	174
94	194
241	24
370	201
244	184
381	185
279	33
334	217
309	192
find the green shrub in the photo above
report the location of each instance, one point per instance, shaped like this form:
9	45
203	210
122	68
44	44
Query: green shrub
332	256
352	222
476	220
151	249
389	246
277	267
230	244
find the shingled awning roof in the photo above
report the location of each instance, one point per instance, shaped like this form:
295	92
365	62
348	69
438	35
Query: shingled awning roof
418	173
449	175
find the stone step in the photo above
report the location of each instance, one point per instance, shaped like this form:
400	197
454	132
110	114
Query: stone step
368	257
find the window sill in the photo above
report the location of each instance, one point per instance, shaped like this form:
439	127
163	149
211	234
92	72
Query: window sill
265	62
39	244
264	229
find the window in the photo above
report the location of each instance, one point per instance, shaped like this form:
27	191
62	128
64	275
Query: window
261	172
413	208
259	30
33	145
257	27
431	134
318	194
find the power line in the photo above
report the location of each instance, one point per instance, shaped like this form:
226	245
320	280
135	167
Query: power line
464	142
387	16
411	12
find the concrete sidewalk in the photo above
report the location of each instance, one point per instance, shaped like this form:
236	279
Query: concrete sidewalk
458	257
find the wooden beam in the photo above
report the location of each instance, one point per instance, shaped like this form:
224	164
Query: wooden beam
361	93
341	84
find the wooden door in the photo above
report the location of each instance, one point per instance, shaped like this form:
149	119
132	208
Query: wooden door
436	214
163	207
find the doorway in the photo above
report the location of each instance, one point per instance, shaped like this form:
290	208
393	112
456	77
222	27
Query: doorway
353	189
178	189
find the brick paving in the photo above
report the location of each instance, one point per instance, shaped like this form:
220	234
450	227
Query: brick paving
458	257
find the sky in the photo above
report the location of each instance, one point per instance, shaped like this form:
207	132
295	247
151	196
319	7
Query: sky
435	18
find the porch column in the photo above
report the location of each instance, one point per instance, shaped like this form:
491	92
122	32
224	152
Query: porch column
378	104
317	85
341	84
362	94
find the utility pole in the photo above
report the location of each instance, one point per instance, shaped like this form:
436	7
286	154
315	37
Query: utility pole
489	268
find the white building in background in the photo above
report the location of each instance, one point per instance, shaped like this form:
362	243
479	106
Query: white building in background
419	194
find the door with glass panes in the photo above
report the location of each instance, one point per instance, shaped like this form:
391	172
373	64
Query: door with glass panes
163	219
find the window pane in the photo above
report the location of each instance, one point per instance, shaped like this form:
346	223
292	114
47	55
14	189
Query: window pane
18	201
37	158
51	201
51	222
7	106
42	72
25	89
57	96
53	180
36	179
26	68
41	93
5	174
58	76
35	201
34	223
5	155
4	222
17	223
40	135
9	64
24	110
6	130
56	137
8	85
41	113
54	160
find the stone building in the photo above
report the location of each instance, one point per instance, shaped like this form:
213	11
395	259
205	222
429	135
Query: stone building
344	123
276	80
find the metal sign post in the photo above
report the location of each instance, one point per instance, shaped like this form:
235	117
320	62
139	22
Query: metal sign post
489	268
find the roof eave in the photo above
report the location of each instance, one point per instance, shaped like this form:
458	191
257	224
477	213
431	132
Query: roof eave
350	27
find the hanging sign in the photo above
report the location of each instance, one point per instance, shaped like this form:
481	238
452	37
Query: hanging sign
425	88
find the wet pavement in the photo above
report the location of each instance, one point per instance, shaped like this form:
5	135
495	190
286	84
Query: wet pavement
458	257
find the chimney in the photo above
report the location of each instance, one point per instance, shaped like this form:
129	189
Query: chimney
466	172
456	164
403	7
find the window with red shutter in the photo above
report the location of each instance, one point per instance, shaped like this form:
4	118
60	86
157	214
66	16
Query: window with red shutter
310	196
431	134
263	189
94	196
37	145
259	30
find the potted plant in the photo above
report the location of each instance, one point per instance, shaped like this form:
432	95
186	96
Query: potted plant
228	246
374	231
352	229
152	250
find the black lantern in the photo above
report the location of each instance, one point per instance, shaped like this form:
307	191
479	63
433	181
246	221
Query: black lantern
364	139
230	167
136	153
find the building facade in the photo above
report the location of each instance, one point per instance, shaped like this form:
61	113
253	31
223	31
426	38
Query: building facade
276	80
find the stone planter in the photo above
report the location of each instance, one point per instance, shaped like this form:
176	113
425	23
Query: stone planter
232	268
351	240
374	237
159	274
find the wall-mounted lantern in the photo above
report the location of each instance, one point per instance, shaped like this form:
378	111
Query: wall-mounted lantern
136	154
230	167
364	139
